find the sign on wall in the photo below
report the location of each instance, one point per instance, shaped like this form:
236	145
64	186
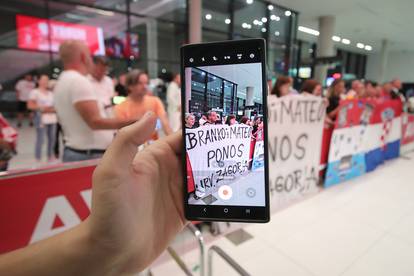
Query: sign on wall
41	34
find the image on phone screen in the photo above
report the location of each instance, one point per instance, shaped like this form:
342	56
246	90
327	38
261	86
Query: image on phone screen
224	130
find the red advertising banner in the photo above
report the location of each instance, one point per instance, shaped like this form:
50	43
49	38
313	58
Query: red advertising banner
37	206
45	34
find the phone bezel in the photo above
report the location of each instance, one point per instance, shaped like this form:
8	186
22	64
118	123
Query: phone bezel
217	212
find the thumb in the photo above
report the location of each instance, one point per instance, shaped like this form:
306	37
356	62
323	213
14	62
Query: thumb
123	149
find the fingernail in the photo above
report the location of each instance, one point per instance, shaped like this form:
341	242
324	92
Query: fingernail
148	114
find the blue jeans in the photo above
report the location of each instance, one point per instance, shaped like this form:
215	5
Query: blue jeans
50	131
72	156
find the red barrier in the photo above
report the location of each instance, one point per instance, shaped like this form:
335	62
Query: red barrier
30	204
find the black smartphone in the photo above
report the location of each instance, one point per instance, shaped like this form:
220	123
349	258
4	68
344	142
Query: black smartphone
224	124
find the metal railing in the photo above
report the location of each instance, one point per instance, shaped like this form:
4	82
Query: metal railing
200	239
179	261
226	257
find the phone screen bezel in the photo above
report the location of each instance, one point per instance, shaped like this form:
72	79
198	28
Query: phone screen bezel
225	212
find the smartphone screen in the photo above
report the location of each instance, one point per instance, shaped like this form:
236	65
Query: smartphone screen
225	131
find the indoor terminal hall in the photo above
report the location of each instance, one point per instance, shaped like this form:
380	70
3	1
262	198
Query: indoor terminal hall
206	137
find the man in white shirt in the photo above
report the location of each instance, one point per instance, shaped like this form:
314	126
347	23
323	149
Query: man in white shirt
23	88
102	84
174	102
87	131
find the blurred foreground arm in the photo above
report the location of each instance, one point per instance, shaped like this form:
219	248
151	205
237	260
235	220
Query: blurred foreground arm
136	211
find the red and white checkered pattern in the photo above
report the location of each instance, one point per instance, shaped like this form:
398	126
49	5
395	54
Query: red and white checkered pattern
386	127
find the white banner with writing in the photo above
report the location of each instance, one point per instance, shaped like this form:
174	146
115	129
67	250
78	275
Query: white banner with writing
295	137
218	155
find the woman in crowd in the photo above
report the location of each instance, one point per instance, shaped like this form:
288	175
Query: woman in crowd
245	121
41	102
311	87
231	120
335	91
282	86
189	120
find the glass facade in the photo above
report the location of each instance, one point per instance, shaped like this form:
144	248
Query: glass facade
133	33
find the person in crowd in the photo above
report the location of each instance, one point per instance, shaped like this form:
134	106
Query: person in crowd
256	122
23	88
357	90
281	87
311	87
245	121
120	88
41	103
335	91
139	102
136	213
174	102
102	84
202	120
189	120
396	91
292	90
231	120
371	91
87	131
8	142
386	92
212	118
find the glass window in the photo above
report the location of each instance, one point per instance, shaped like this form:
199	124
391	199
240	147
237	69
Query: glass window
10	12
250	20
216	15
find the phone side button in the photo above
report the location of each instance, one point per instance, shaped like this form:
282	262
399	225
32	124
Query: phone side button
226	210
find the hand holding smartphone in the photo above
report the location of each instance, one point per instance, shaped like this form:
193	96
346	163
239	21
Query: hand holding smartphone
224	100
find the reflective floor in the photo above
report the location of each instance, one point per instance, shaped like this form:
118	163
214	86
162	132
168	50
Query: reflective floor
362	227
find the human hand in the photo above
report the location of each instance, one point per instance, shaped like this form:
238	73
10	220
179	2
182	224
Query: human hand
137	198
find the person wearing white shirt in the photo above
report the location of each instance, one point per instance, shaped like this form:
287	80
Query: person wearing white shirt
41	102
174	102
87	131
23	88
102	84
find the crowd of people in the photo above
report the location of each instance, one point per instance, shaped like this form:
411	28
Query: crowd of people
78	108
337	91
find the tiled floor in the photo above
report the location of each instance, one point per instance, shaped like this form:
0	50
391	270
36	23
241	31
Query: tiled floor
362	227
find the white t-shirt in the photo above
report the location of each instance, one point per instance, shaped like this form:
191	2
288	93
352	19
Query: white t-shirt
104	89
72	87
44	99
24	87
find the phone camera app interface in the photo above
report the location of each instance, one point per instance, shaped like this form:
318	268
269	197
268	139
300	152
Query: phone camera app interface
224	130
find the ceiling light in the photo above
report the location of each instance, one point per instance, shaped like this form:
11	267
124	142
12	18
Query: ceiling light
360	45
270	7
277	33
368	47
208	16
308	30
264	19
260	23
336	38
346	41
273	17
249	2
249	26
263	30
227	21
256	22
288	13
